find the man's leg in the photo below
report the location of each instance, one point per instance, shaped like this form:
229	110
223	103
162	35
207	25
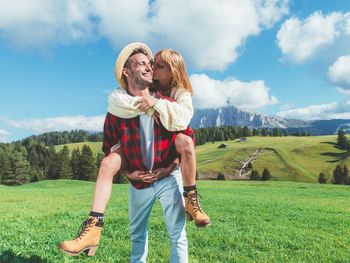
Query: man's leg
89	237
140	205
174	212
185	147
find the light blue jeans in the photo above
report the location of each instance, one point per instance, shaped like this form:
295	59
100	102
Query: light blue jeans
168	190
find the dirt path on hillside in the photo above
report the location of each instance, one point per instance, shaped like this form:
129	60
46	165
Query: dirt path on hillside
251	159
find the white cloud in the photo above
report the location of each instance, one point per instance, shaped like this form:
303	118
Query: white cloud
208	33
93	123
342	91
41	23
301	39
339	72
334	110
211	93
3	135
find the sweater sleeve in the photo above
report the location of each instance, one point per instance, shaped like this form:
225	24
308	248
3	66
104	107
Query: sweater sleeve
121	104
176	115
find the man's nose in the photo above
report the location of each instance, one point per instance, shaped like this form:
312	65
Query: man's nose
149	67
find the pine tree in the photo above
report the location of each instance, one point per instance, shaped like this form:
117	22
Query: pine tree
264	132
346	175
221	176
87	168
99	158
55	169
75	162
266	175
254	175
120	178
66	169
5	164
322	178
338	175
341	140
19	169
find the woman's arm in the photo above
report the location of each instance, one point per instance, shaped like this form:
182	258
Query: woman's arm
176	115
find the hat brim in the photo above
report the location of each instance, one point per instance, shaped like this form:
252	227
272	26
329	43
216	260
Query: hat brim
123	57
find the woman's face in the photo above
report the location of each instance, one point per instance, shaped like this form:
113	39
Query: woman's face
161	71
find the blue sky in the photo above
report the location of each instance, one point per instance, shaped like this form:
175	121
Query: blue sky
278	57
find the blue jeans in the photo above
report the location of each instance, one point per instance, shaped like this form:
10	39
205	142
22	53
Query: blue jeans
168	191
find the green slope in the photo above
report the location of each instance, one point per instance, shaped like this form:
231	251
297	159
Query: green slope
288	158
95	146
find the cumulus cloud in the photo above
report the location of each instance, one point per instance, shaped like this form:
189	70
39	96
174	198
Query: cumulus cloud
3	135
300	39
94	123
334	110
211	93
41	23
339	73
208	33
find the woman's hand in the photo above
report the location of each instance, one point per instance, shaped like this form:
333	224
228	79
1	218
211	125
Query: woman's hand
146	103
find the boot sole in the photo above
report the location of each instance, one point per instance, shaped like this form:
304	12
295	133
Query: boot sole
89	250
190	218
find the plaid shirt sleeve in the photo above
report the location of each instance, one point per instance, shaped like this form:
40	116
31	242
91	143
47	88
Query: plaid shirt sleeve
111	133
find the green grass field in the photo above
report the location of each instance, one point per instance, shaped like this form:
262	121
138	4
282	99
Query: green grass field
251	222
288	158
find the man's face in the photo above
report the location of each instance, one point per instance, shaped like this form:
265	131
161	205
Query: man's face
140	70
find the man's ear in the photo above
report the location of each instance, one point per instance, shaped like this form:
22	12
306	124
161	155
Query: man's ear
125	72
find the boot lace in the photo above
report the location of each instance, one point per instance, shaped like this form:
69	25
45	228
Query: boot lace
193	200
84	228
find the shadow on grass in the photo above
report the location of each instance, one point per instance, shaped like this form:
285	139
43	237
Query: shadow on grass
337	156
9	257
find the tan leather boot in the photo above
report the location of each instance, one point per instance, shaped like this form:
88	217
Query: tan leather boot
87	239
194	210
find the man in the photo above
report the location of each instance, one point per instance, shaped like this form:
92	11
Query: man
146	146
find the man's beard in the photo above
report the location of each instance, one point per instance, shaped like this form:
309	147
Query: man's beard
140	82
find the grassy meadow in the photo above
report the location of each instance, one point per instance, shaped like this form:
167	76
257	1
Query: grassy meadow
251	222
288	158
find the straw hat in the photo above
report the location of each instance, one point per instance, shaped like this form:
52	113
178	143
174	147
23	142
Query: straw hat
123	57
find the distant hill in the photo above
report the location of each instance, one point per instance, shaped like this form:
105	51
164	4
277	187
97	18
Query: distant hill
288	158
233	116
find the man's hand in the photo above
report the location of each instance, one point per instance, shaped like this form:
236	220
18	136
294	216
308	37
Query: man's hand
144	176
146	103
161	172
135	175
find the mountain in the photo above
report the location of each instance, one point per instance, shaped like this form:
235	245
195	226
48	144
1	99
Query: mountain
231	115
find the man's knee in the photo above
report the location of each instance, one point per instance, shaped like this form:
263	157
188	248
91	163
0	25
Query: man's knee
184	144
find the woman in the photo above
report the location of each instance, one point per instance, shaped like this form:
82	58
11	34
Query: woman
171	79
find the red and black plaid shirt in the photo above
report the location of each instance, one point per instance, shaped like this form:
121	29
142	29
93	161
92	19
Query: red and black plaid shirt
127	133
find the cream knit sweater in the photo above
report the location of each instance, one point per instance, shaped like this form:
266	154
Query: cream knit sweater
175	116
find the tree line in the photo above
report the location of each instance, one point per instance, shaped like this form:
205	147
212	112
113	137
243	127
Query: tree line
342	140
21	164
35	158
227	133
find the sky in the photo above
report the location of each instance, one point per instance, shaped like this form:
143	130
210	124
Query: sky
288	58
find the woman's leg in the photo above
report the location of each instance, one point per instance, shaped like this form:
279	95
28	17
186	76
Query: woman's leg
110	165
185	147
89	237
